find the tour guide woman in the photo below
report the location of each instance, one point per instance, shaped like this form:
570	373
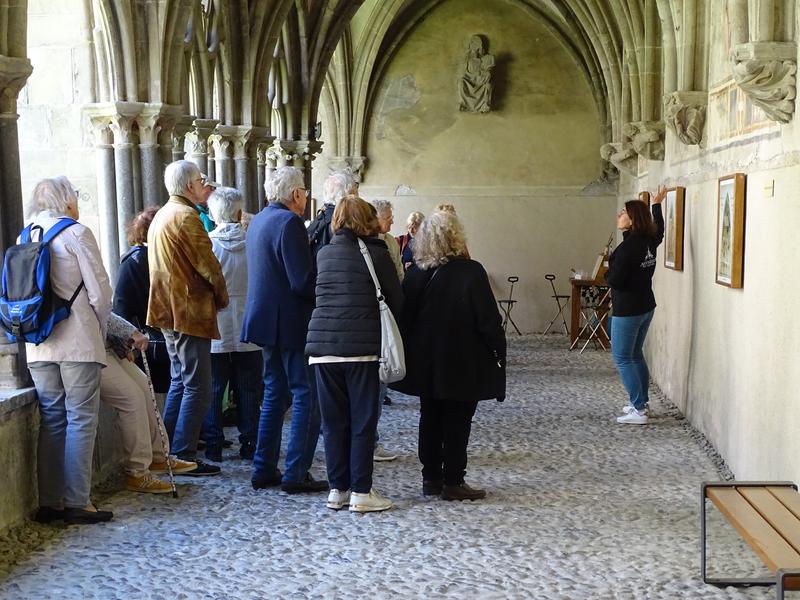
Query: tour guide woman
630	275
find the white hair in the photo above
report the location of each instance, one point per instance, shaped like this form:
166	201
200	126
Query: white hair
224	204
283	182
178	175
52	194
440	237
381	206
337	186
415	219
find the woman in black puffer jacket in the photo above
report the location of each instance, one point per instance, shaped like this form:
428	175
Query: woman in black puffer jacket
344	344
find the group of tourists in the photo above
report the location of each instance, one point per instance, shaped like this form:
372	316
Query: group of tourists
211	302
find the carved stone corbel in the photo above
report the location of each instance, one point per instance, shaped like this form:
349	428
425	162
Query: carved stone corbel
354	164
766	72
647	138
622	156
685	115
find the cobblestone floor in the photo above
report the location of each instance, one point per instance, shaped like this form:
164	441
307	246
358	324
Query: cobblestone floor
578	507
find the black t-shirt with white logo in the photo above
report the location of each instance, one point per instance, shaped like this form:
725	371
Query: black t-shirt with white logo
630	271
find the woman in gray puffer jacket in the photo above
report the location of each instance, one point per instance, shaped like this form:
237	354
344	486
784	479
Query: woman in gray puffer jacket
344	345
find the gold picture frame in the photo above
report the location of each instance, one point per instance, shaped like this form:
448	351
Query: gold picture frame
731	191
674	206
645	197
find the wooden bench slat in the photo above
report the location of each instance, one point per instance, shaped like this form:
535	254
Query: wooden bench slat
785	523
775	551
788	497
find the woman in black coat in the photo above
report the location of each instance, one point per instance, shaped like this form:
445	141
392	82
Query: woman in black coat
455	351
131	296
344	345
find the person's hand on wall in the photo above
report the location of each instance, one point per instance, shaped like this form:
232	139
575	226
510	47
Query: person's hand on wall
660	195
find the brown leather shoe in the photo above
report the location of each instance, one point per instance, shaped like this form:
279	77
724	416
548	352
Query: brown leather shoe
432	487
462	492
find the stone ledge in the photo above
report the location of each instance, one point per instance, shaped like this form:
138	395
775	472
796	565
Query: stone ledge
14	399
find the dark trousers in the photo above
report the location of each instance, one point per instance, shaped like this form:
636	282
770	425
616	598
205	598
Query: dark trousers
444	428
349	403
244	372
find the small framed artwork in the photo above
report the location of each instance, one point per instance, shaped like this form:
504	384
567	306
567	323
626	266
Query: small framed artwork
674	206
645	197
730	230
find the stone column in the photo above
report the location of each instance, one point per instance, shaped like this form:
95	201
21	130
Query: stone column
223	141
124	173
198	138
261	167
300	154
184	125
151	163
762	20
107	193
14	72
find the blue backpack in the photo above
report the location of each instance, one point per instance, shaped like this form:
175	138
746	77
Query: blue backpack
29	309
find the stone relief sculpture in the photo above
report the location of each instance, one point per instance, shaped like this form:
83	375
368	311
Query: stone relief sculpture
475	88
622	156
766	71
647	138
685	115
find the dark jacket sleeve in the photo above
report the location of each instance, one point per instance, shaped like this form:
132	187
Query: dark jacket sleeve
130	295
390	282
297	259
487	317
620	267
658	217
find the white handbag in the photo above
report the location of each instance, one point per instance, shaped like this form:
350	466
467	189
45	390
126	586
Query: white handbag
392	364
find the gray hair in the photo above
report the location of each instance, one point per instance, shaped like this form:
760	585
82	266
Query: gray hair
224	204
53	194
415	219
178	175
381	206
283	182
439	238
337	186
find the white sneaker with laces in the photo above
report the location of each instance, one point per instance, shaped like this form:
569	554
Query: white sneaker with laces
338	499
628	408
372	502
381	454
633	417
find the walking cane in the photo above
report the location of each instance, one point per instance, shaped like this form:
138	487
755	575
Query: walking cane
160	424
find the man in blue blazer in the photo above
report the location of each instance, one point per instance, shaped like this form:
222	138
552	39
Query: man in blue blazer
280	298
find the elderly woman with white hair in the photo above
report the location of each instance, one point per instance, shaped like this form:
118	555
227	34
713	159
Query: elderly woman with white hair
338	185
455	351
233	362
66	367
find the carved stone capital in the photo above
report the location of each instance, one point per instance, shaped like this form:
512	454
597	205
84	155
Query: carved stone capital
149	127
622	156
685	115
647	138
354	164
14	72
199	134
766	72
101	131
297	153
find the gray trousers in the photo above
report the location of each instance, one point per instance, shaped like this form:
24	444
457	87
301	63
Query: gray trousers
69	399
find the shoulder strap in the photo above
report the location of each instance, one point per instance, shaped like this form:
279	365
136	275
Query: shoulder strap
60	226
371	268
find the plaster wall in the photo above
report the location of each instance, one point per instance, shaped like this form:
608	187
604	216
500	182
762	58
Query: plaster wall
515	175
728	357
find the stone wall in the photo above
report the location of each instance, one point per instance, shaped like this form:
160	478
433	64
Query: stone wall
728	357
515	174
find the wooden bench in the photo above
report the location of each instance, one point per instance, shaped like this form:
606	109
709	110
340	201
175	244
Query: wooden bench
767	516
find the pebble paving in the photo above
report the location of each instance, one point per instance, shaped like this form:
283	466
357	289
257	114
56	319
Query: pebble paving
578	507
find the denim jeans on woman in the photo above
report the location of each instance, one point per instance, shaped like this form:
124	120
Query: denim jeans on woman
627	339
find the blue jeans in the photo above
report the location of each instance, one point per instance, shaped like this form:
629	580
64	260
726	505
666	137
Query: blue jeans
189	393
347	397
69	398
286	371
244	372
627	339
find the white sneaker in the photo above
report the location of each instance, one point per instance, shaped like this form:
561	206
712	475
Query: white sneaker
381	454
633	417
628	408
372	502
337	499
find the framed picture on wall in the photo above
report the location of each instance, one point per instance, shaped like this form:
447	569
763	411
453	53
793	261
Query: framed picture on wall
730	230
645	197
674	205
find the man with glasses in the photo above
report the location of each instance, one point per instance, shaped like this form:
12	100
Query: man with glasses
280	298
187	288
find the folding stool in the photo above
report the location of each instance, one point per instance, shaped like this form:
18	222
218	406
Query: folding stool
594	308
507	305
561	307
